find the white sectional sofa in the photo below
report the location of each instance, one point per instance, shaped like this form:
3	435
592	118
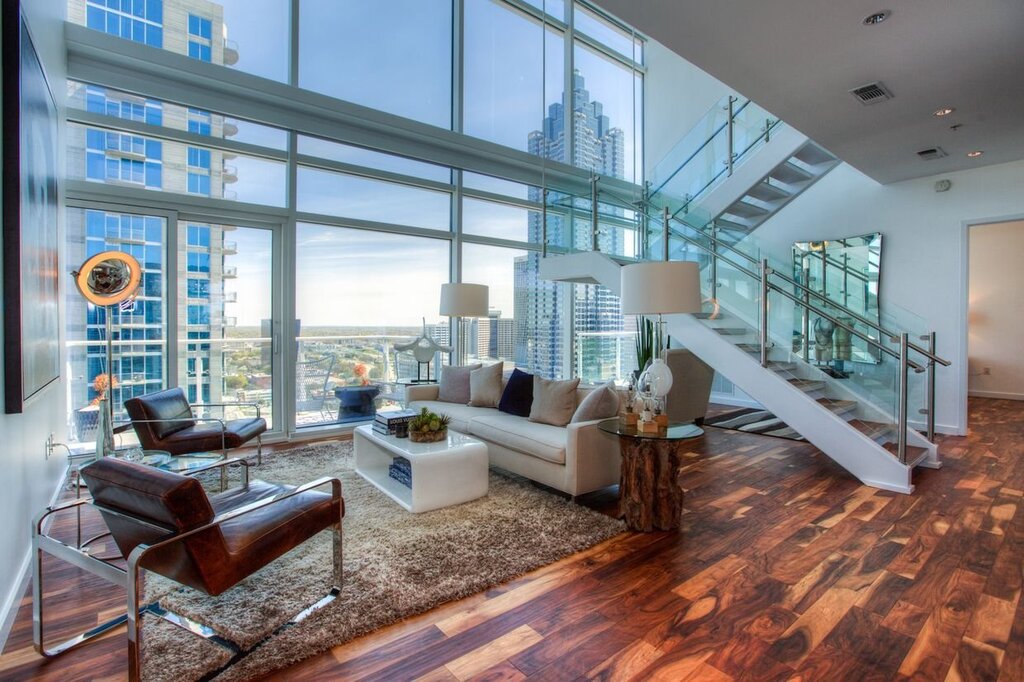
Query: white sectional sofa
576	459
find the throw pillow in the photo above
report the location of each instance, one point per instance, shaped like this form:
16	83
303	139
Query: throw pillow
553	401
518	394
485	386
454	383
601	403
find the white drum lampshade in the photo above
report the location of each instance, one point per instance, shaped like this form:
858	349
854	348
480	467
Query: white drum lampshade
463	300
661	287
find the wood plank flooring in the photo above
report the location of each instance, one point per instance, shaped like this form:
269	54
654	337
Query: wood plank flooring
786	569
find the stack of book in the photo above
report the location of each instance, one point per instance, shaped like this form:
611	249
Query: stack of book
401	471
387	422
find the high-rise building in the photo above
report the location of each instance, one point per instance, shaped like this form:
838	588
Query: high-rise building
194	28
494	336
541	306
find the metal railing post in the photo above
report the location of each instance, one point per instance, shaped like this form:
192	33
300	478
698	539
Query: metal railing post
807	312
765	271
901	434
767	130
929	409
732	101
593	214
664	232
544	223
714	261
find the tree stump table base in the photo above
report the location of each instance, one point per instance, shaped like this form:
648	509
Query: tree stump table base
650	497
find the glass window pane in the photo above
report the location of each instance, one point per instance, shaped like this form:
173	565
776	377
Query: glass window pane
606	33
138	332
489	219
393	55
358	293
513	76
172	166
357	156
607	132
248	35
487	183
499	336
350	196
556	8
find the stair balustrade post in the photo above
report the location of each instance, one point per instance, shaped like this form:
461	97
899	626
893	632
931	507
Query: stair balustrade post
929	409
732	100
714	261
595	246
807	310
765	271
544	223
664	232
901	434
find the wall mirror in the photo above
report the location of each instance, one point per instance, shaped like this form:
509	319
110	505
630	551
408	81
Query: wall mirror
846	271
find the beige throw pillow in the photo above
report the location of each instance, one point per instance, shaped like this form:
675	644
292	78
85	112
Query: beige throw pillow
485	386
553	401
454	383
601	403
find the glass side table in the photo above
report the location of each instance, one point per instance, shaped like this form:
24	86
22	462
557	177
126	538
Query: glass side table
650	497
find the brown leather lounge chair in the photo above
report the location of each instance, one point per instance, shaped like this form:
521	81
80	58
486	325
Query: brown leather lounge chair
164	421
166	523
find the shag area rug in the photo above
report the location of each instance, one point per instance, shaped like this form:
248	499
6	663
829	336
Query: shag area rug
396	565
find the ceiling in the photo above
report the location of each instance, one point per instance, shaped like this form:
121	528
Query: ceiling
800	58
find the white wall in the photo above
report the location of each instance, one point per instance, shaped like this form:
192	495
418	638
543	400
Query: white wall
677	94
924	248
996	312
29	479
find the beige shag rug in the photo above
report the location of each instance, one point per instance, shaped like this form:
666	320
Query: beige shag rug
396	565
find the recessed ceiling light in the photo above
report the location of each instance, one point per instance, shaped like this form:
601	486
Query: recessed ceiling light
944	111
877	17
976	153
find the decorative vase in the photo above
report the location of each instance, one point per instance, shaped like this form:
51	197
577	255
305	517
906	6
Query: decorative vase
658	377
428	436
104	431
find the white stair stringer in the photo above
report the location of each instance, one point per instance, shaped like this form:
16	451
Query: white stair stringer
855	452
583	267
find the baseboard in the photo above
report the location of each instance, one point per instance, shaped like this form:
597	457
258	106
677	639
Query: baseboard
12	602
945	429
999	395
726	399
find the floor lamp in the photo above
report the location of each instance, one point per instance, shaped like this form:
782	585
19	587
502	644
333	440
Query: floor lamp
108	279
459	300
660	287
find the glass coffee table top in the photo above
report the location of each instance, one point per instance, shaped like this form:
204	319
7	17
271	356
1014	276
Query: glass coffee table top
672	432
161	459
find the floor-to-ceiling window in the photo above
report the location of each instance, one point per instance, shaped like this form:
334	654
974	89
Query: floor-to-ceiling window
304	251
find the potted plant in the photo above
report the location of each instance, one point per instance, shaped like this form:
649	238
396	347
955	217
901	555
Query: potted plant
428	427
357	399
648	343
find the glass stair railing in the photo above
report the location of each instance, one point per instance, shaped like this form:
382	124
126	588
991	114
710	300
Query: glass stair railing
754	303
707	155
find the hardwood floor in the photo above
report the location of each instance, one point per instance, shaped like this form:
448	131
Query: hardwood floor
786	568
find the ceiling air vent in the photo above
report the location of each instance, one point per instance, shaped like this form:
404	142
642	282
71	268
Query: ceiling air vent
872	93
932	154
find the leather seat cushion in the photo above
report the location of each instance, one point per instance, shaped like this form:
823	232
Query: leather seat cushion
169	404
207	436
255	539
543	441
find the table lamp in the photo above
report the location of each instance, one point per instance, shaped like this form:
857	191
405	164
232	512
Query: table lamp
459	300
660	287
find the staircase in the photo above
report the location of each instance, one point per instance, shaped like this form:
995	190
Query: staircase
855	429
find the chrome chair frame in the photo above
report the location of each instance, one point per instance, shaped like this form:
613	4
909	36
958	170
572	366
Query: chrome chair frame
132	578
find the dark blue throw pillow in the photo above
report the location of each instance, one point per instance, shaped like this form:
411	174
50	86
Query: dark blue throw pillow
517	398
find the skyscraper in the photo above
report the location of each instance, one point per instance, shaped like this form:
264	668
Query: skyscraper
196	29
541	306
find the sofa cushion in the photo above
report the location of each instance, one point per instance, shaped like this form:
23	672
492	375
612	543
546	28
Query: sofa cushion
517	398
460	414
454	383
515	433
553	401
485	386
601	403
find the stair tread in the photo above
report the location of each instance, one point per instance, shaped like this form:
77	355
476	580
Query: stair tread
871	429
813	155
727	224
732	331
807	384
838	406
766	192
790	173
913	451
746	210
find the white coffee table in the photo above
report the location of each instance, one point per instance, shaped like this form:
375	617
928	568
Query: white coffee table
446	473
